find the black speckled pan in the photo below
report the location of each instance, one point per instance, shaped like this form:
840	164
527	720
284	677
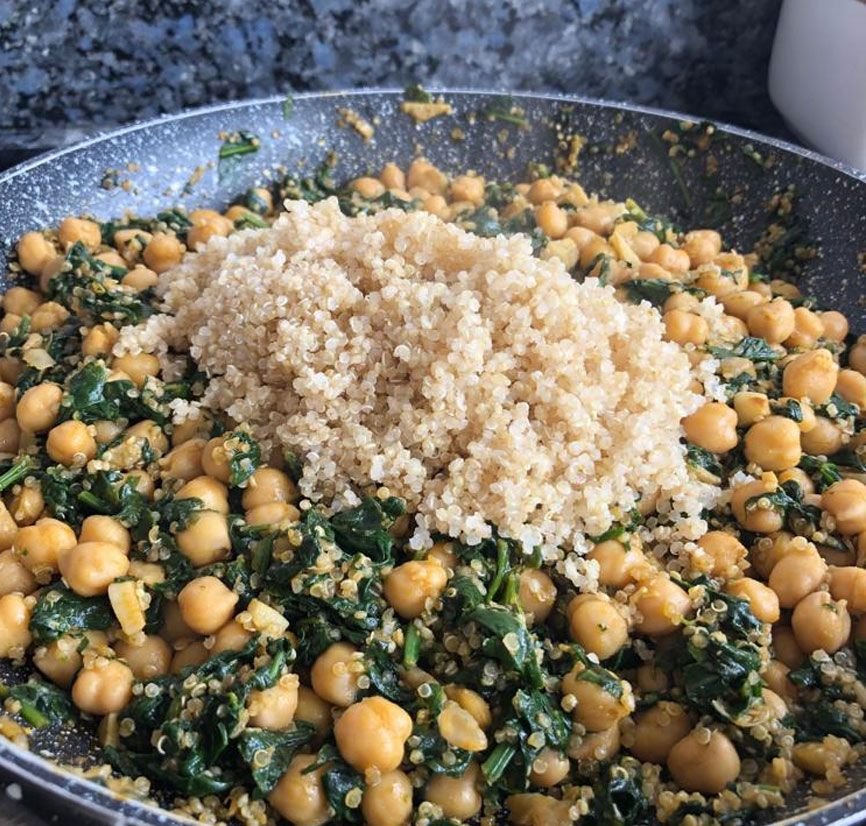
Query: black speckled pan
174	161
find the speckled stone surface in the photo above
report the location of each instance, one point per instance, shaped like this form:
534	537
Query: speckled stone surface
68	67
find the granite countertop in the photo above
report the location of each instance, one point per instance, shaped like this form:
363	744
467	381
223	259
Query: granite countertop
85	66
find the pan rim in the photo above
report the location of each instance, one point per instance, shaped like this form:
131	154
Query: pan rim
107	806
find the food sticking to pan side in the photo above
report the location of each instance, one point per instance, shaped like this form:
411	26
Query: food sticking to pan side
424	499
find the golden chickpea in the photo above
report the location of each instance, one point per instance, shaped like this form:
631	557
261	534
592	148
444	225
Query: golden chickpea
130	243
276	513
596	746
671	259
73	230
14	626
702	246
19	301
597	625
785	646
149	660
422	173
99	340
597	709
10	437
535	809
70	443
268	485
7	401
274	708
468	188
543	189
214	495
459	728
845	501
190	655
835	325
618	565
704	762
724	552
14	576
593	248
651	679
8	528
798	573
657	730
644	245
851	386
536	593
61	659
140	279
206	604
39	407
27	505
549	769
811	375
40	546
90	567
458	797
369	188
820	622
773	443
335	673
184	461
48	316
11	369
314	710
685	328
551	219
34	252
808	328
299	796
774	321
857	355
775	675
471	702
372	734
138	367
824	439
215	460
716	282
392	176
111	258
661	604
103	687
143	482
712	427
162	252
443	552
231	637
388	802
411	587
847	582
438	206
206	538
756	518
150	432
762	600
739	303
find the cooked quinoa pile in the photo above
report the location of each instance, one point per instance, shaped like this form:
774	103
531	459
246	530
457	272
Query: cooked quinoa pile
483	385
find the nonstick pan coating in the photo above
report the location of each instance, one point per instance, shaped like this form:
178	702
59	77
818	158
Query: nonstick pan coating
173	161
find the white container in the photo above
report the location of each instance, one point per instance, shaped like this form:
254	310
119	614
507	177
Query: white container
818	75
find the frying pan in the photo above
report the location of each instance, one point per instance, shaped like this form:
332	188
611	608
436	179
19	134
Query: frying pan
173	161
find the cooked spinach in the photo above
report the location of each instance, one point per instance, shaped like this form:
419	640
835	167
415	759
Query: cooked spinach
279	747
837	408
701	459
59	611
510	641
244	457
618	799
42	704
17	472
365	528
504	109
750	347
415	93
822	473
233	148
654	290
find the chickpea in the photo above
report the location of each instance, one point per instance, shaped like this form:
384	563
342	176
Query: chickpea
214	495
597	625
820	622
673	260
103	687
756	519
34	252
389	801
785	646
775	675
299	796
443	553
857	355
392	176
847	582
824	439
851	386
845	501
618	565
808	328
335	673
712	427
20	301
542	189
14	626
184	461
774	321
411	587
438	206
61	659
206	538
644	245
140	279
276	513
27	506
10	437
551	219
111	258
773	443
796	575
39	407
73	230
372	733
549	769
762	600
11	369
7	401
662	605
468	188
143	482
99	340
71	444
596	746
138	367
162	252
149	660
48	316
471	702
206	604
651	679
268	485
835	326
685	328
701	763
274	708
191	655
459	728
702	246
739	303
90	567
231	637
15	577
458	797
724	551
536	594
40	546
657	730
8	528
422	173
534	809
215	459
811	375
314	710
597	709
369	188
